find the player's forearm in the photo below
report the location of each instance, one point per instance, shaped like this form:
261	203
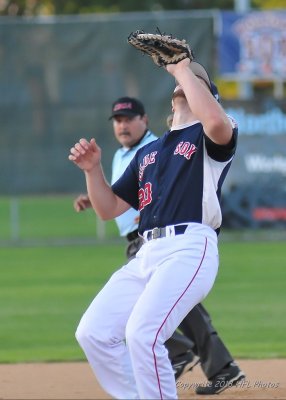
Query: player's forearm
204	107
104	202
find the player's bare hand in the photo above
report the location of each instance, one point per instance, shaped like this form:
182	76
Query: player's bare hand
81	202
86	155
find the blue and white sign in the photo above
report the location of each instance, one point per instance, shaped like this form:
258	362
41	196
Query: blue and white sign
253	45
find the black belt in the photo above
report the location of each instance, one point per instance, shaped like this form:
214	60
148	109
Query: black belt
157	233
132	235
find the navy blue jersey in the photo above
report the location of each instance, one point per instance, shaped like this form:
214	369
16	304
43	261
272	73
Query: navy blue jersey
177	179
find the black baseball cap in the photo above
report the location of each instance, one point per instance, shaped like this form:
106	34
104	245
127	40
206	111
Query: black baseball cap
128	106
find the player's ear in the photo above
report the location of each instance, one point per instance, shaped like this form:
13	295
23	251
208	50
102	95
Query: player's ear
145	118
169	120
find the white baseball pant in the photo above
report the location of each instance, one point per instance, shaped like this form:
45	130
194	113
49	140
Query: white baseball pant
124	329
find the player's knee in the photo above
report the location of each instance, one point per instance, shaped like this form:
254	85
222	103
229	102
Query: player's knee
82	335
86	334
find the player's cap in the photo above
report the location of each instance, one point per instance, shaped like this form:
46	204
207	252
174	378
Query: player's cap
200	71
214	91
128	106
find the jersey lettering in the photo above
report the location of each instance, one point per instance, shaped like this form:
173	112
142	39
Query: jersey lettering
185	149
148	159
145	195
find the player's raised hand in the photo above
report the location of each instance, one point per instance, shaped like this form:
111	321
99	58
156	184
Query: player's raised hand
174	69
86	155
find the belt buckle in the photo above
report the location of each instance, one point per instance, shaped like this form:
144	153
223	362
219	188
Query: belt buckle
156	233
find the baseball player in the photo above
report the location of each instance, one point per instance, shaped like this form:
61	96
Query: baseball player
175	183
130	125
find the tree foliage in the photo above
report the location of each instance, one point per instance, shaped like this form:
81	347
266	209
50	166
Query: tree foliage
60	7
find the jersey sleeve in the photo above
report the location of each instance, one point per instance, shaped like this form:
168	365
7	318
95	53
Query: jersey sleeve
220	152
126	187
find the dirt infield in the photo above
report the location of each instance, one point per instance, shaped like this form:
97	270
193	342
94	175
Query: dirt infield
60	381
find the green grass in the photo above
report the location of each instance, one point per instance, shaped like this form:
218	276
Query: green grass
44	291
248	301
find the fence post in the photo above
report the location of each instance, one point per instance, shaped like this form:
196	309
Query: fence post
100	228
14	219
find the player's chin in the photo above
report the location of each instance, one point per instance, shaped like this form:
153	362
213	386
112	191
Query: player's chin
178	93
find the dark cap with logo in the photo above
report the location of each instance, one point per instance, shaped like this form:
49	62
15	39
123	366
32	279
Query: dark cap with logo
128	106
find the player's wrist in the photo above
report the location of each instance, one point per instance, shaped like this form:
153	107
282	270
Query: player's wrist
93	170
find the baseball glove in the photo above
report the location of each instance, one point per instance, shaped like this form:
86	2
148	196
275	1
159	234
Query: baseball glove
164	49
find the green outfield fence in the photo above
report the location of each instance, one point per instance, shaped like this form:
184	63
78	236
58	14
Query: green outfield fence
59	77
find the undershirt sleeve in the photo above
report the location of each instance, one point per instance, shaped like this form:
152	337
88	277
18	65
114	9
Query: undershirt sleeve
220	152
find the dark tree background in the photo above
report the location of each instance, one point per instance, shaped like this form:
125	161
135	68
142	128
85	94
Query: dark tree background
60	7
